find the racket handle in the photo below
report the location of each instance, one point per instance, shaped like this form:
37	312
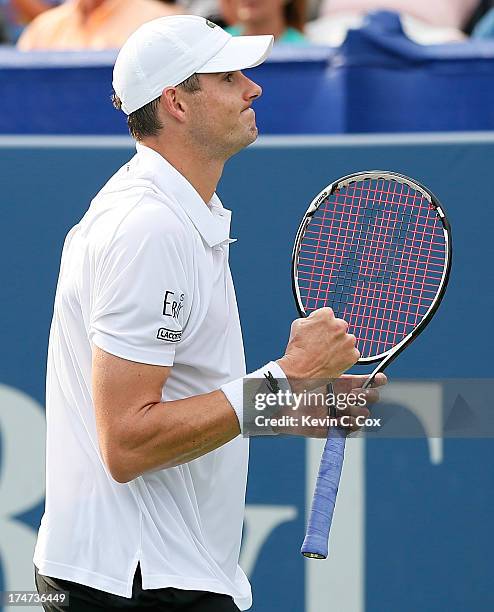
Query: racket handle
315	544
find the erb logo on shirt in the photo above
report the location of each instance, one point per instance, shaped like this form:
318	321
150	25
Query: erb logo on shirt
173	304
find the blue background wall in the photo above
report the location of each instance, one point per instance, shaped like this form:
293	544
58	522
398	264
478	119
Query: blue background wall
428	528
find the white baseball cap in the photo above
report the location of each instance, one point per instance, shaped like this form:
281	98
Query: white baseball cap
166	51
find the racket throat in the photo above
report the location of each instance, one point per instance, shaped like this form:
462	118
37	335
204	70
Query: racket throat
380	368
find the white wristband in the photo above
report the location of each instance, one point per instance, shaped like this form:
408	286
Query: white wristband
276	380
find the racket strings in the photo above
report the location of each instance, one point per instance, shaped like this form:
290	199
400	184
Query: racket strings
375	252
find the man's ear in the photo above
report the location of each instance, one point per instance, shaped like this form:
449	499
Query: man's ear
174	103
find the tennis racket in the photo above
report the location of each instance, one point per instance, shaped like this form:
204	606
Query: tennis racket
376	247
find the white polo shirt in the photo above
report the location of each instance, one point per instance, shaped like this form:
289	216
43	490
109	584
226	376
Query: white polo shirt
144	276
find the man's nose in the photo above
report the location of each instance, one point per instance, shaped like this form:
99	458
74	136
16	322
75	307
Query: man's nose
254	90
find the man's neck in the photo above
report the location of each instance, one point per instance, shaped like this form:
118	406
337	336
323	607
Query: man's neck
203	174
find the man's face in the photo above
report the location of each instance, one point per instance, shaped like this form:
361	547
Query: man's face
221	118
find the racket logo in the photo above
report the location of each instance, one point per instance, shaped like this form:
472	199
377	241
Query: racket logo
363	250
321	198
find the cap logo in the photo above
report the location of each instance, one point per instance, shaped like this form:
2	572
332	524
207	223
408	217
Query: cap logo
210	23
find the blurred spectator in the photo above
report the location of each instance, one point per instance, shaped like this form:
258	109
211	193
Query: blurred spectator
313	9
90	24
206	8
485	27
27	10
228	10
284	19
483	7
425	21
3	29
221	9
222	12
16	13
440	13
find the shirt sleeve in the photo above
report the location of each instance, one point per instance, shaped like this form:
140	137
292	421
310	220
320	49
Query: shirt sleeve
141	297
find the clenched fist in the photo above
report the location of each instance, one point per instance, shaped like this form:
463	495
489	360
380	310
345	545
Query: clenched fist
319	348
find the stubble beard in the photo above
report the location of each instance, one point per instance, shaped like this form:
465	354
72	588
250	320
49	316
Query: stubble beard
222	147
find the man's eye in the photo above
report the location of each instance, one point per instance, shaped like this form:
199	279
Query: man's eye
229	77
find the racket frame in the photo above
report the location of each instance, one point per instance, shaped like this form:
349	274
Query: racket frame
310	548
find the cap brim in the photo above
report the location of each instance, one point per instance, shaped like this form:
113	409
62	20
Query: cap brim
239	53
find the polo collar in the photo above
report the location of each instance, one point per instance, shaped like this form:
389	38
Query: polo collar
212	221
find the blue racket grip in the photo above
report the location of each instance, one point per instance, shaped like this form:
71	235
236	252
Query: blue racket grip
315	544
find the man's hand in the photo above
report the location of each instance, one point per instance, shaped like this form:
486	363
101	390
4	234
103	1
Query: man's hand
349	384
352	402
319	348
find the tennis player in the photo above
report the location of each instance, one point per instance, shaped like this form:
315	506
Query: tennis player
146	467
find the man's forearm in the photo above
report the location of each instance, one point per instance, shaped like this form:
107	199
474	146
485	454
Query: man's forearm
165	435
